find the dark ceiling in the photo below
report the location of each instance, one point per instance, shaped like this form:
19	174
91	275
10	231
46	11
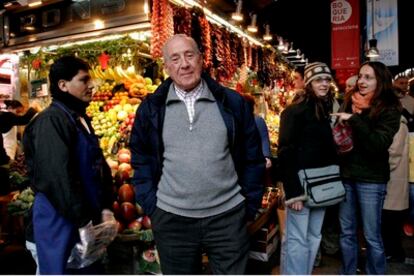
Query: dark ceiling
307	24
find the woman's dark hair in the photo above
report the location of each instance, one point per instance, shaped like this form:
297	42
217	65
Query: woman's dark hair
13	104
384	94
65	68
300	70
321	104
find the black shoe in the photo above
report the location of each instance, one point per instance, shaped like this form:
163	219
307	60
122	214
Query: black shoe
318	259
396	259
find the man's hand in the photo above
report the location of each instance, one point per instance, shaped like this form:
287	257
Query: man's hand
107	215
268	163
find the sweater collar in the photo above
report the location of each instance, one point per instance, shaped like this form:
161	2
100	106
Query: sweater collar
159	97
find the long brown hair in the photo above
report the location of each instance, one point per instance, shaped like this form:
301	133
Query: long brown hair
309	94
384	95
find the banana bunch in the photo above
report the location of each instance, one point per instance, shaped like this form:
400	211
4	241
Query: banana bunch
116	73
107	74
128	75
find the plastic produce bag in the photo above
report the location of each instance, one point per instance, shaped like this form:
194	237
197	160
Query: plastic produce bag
93	243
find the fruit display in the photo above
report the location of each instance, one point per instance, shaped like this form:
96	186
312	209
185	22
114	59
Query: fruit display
273	122
129	215
112	112
114	104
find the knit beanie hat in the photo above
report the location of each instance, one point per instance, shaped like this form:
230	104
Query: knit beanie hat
316	70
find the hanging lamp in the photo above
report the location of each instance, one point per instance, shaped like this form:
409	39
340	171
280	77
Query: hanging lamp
373	51
252	27
267	36
237	15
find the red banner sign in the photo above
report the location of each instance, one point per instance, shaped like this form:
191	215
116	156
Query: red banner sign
345	25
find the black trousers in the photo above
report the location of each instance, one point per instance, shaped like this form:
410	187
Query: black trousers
181	241
4	181
392	224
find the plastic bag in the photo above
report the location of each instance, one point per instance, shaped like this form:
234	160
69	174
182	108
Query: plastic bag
93	243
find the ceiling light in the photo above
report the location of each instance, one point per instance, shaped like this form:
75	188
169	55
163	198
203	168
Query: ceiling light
373	51
286	48
252	27
291	50
237	15
146	7
267	36
99	24
281	45
298	53
34	3
29	28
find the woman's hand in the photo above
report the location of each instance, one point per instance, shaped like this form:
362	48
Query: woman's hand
342	116
298	205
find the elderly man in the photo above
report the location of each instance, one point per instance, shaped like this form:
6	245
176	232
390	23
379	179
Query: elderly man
198	166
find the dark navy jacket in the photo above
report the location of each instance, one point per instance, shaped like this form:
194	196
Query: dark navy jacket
244	141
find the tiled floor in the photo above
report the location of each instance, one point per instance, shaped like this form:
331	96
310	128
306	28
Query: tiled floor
330	264
15	260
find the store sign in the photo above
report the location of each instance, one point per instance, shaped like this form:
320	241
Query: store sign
9	76
385	28
345	41
71	17
38	88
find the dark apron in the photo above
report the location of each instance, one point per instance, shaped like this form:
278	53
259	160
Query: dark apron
54	235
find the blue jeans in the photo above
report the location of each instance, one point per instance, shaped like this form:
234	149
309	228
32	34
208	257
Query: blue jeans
368	198
301	240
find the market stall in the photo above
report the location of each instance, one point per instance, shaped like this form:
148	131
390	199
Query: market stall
126	65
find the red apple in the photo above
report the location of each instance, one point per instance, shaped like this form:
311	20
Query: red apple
128	211
135	225
124	158
125	167
116	209
126	193
146	222
120	226
124	150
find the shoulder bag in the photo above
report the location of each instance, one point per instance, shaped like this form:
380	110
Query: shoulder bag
323	186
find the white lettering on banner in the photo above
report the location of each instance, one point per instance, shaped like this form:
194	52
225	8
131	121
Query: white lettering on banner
341	11
349	27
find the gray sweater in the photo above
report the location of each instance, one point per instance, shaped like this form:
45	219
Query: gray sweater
198	176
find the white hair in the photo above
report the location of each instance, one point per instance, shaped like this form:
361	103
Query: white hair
184	36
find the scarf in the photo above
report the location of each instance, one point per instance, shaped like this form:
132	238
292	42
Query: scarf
361	102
